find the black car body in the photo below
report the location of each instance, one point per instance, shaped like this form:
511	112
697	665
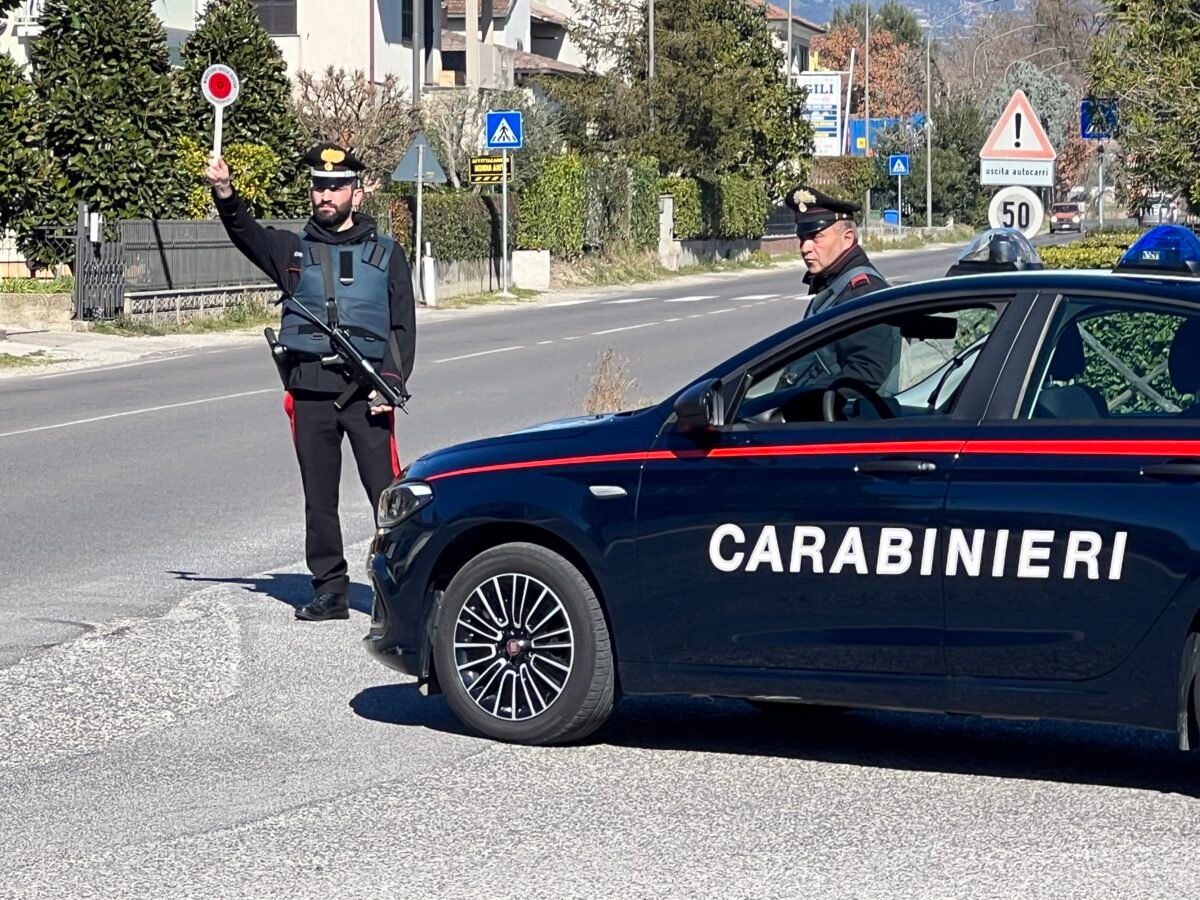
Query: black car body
1004	524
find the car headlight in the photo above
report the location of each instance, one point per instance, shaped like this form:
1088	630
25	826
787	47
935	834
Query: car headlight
401	500
1075	218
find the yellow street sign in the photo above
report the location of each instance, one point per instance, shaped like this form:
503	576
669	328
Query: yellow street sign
490	170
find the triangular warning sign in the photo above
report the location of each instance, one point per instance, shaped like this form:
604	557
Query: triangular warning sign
420	161
1018	134
503	134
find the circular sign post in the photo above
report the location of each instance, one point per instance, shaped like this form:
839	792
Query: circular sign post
1019	208
220	86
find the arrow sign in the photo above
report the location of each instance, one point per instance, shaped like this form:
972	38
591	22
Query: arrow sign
898	164
220	86
503	129
419	163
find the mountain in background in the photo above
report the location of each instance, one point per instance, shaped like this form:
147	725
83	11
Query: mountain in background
820	11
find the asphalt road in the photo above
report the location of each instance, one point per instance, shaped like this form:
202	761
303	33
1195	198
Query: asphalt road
168	730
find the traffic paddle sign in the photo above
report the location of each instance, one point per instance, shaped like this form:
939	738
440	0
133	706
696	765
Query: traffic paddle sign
220	86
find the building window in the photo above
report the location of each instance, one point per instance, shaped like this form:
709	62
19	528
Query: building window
802	58
406	20
278	16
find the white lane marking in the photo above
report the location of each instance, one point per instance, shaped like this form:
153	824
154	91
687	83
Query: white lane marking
94	369
696	316
628	300
717	312
692	299
544	343
674	320
569	303
623	328
138	412
748	305
756	297
572	338
799	297
480	353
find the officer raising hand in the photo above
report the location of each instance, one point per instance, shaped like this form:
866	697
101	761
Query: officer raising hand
338	267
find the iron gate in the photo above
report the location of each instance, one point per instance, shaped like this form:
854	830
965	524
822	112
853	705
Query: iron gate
99	273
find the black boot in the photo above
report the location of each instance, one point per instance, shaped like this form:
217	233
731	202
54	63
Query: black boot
324	608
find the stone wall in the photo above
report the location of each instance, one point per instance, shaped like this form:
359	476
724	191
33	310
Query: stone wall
37	311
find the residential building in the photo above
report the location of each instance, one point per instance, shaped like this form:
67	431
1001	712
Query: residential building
803	31
515	40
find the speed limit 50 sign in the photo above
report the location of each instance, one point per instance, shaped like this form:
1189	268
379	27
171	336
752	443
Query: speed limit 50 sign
1019	208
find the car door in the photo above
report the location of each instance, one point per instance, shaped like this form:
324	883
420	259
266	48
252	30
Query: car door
782	540
1075	501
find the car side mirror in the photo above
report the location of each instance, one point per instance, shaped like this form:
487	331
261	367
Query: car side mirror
701	408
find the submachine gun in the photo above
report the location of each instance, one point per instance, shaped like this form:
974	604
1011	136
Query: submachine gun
362	373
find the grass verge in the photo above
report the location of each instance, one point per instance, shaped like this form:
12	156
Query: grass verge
36	285
235	318
37	358
629	267
466	301
958	235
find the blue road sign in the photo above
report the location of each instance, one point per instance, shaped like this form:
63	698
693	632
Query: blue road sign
1097	119
503	129
898	164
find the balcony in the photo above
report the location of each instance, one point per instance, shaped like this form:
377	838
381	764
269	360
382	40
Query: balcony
27	20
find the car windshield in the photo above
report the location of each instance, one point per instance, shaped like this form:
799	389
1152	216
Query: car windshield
1065	208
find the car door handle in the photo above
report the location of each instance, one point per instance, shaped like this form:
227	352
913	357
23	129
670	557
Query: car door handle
897	467
1173	470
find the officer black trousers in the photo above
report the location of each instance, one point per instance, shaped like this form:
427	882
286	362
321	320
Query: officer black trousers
317	431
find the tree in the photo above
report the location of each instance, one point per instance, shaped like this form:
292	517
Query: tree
891	16
230	32
376	120
1149	61
455	125
718	103
897	75
22	162
101	74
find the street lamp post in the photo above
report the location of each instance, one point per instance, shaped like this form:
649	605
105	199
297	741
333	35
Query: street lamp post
996	37
929	106
1008	68
650	31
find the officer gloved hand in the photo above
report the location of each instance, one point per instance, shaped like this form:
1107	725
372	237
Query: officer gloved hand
378	407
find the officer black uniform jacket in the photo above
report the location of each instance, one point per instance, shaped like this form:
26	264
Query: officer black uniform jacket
870	355
277	253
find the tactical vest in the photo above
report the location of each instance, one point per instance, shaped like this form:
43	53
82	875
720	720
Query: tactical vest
360	288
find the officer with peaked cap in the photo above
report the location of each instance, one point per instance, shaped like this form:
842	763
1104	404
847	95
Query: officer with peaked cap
838	271
339	255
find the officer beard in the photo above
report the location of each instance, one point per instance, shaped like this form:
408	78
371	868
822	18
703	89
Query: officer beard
333	215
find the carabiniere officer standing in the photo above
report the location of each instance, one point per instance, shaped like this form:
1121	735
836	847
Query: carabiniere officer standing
338	251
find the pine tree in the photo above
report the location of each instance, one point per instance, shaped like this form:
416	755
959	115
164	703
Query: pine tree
231	34
101	75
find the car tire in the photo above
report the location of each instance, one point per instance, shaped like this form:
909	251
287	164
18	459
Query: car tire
522	649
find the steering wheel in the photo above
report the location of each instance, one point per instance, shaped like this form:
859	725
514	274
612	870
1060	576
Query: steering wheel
864	390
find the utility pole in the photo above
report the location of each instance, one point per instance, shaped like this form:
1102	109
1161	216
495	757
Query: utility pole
867	130
650	31
789	45
928	133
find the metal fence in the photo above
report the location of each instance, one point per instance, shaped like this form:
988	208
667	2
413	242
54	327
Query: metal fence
169	255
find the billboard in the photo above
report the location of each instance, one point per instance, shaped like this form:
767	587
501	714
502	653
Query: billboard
823	109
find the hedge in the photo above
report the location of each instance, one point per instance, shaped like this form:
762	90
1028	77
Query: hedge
253	169
554	209
608	203
461	225
686	191
1096	251
844	177
644	173
734	207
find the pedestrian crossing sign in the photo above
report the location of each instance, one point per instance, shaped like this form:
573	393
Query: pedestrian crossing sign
898	164
502	129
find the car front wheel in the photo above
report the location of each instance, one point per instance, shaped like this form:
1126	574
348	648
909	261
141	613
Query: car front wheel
522	649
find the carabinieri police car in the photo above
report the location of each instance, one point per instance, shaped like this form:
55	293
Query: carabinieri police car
991	512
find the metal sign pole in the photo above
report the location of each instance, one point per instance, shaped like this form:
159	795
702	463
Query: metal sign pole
504	228
1101	186
417	254
900	203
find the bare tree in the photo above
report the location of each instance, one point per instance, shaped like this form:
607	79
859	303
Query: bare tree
376	121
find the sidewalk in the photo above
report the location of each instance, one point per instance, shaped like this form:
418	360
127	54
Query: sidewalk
60	351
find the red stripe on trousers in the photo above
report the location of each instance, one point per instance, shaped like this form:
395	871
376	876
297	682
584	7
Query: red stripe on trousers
392	444
289	407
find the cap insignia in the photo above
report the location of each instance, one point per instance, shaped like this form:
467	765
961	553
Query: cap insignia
331	157
802	198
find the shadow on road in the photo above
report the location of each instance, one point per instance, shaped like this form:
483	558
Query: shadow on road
958	745
292	588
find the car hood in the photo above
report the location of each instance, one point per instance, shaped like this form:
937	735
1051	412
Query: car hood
631	431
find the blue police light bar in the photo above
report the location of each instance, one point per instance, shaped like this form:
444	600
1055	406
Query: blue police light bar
1166	249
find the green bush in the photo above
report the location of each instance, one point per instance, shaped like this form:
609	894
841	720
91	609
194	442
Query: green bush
608	197
734	207
1075	256
644	173
686	191
254	169
460	225
844	177
553	209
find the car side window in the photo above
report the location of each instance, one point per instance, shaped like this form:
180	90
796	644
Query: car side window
1108	360
911	364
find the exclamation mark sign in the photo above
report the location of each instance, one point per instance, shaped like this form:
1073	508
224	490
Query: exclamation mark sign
1017	142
